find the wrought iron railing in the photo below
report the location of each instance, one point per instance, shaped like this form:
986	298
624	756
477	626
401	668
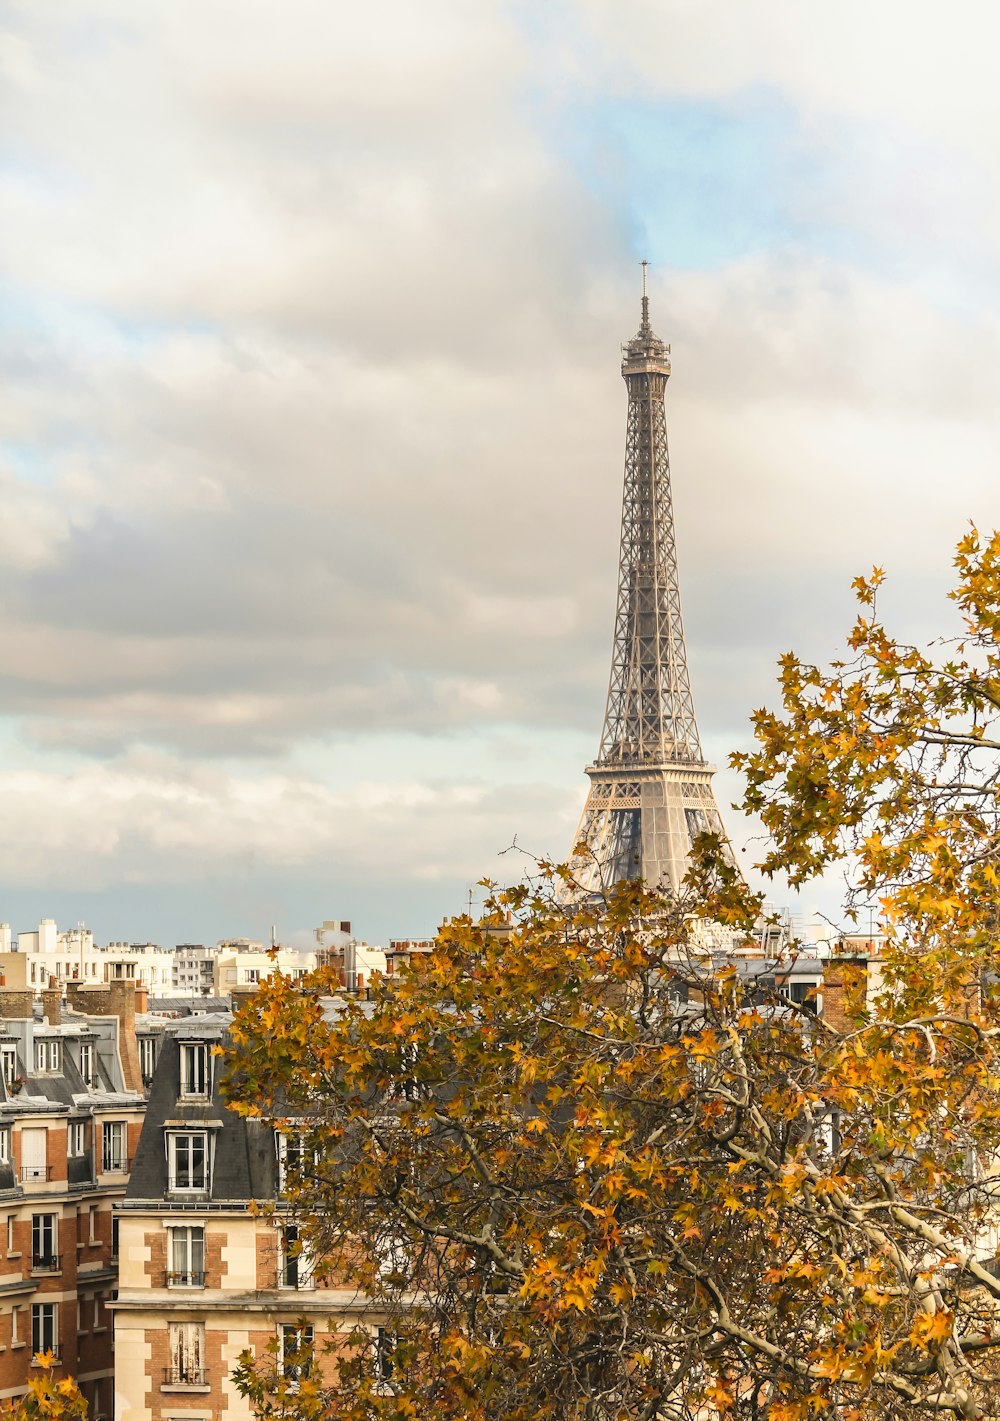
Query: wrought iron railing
184	1376
185	1279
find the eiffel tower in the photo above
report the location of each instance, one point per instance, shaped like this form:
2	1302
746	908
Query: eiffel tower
650	788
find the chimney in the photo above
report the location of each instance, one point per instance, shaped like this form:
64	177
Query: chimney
52	1004
15	1004
115	998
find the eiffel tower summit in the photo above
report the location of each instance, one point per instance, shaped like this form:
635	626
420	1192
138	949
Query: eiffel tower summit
650	787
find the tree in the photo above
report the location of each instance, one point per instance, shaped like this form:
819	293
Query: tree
46	1399
575	1169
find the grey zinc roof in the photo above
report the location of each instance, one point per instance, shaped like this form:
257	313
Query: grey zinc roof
244	1165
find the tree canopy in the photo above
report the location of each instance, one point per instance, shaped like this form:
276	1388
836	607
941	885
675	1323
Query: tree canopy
574	1168
46	1398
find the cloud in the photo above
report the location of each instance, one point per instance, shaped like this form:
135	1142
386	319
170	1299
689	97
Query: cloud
149	818
313	433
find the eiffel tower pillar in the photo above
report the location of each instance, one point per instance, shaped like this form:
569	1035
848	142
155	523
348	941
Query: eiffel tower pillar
650	787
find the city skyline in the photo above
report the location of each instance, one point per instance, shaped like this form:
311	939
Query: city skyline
311	442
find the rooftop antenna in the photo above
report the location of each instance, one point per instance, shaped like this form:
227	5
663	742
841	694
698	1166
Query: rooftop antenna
645	296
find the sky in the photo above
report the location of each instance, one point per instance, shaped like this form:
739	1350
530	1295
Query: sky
312	424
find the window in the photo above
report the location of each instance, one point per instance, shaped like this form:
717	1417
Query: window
14	1338
147	1057
10	1232
4	1147
187	1354
76	1138
34	1165
296	1268
288	1145
113	1156
8	1063
295	1352
47	1054
385	1345
44	1242
43	1328
253	974
187	1257
114	1235
92	1224
194	1068
289	1254
187	1160
802	993
87	1063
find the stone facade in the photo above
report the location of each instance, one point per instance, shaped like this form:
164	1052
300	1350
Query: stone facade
202	1275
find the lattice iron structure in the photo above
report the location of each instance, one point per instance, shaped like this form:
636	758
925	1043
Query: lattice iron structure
651	790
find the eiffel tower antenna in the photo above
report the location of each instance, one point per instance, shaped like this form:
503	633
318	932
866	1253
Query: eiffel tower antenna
650	788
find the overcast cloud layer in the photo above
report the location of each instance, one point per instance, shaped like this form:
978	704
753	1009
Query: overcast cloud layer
311	423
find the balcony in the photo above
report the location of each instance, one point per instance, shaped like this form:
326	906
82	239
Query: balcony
46	1263
115	1164
188	1279
35	1173
185	1377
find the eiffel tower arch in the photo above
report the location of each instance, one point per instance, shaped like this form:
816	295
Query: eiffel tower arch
650	787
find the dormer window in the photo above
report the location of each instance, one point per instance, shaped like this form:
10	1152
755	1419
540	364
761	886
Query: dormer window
8	1063
188	1161
87	1062
147	1058
194	1069
47	1054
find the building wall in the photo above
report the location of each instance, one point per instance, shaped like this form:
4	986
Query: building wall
239	1306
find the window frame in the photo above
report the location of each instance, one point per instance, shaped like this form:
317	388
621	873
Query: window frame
174	1140
44	1240
195	1070
114	1161
44	1328
186	1350
301	1337
48	1055
186	1242
76	1138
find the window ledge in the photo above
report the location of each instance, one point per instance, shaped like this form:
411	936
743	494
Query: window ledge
186	1386
99	1330
94	1243
15	1346
13	1255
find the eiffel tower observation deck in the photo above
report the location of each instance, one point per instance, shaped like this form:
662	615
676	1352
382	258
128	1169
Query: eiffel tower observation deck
650	787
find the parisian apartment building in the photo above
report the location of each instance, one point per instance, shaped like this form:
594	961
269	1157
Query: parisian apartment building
204	1272
71	1110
